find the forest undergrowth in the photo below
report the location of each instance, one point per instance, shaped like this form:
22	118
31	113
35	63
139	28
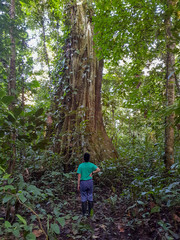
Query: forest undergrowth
130	202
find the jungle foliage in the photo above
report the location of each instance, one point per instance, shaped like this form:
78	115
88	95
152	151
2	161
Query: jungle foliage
136	195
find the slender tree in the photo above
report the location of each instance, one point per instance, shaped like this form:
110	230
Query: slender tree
12	70
12	82
170	90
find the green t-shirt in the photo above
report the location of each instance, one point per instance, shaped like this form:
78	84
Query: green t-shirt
85	169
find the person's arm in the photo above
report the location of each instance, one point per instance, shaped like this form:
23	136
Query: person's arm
95	171
79	178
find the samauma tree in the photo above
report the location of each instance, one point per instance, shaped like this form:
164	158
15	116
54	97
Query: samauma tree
78	97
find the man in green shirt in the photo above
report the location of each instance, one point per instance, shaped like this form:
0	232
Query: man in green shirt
85	183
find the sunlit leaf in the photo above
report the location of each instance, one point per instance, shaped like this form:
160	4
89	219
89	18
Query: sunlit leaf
21	219
7	224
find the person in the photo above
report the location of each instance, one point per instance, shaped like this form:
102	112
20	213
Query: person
85	183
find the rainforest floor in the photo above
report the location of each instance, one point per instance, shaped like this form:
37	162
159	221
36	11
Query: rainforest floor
114	216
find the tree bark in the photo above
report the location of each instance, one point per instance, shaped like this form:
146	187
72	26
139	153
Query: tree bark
81	125
170	93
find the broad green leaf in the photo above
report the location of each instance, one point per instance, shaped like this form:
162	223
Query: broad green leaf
22	198
17	111
16	233
75	218
55	228
6	176
7	99
7	198
30	236
39	112
155	209
56	212
7	224
34	189
61	221
2	93
9	187
67	216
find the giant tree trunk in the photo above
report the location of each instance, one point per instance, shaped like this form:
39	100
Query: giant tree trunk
81	125
170	93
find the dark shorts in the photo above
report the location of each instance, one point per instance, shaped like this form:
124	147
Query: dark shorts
86	190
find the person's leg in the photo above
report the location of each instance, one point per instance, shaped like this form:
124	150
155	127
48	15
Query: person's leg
90	196
83	191
90	207
84	208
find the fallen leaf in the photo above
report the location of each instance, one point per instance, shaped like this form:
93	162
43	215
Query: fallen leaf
103	227
176	218
94	237
120	228
152	205
37	232
129	214
96	229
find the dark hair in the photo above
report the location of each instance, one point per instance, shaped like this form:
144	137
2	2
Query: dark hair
86	157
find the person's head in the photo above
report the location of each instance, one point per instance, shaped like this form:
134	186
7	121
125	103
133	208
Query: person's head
86	157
